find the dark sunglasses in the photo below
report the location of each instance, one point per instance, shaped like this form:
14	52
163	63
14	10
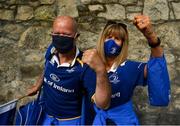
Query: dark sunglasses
110	22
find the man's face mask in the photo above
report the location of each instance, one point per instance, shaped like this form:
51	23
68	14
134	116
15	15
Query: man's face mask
63	44
111	48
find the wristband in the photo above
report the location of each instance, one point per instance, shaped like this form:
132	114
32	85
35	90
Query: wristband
154	45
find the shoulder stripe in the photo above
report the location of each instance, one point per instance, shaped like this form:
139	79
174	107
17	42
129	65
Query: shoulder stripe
80	61
139	65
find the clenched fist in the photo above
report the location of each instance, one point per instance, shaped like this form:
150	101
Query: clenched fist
143	23
92	58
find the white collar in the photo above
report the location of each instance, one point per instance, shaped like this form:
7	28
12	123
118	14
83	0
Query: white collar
55	59
114	67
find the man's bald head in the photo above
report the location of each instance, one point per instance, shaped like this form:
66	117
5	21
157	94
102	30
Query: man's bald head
65	24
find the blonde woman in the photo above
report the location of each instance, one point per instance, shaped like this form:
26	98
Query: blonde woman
124	75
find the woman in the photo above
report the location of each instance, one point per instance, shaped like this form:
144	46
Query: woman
124	75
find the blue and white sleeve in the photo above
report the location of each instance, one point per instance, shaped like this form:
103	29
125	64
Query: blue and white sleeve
158	81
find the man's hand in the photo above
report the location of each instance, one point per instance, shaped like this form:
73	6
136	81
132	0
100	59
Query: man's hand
92	58
35	88
32	90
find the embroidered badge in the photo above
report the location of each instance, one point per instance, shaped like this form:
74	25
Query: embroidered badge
114	78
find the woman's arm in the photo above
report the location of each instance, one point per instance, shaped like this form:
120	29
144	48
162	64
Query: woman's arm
144	25
156	70
102	95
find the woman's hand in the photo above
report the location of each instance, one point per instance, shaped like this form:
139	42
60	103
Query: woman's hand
102	96
92	58
143	23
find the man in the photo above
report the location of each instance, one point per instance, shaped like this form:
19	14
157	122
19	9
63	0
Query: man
65	77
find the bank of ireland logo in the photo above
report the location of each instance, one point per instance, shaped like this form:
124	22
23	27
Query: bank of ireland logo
114	78
54	77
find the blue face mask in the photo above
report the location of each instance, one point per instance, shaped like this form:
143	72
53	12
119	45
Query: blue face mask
111	48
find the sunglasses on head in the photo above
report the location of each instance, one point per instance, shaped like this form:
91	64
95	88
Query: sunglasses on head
110	22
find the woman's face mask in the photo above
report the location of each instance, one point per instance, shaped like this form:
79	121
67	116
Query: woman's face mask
63	44
111	48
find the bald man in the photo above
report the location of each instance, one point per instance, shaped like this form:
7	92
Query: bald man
66	77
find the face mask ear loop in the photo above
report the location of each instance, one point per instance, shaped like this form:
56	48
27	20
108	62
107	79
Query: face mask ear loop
76	36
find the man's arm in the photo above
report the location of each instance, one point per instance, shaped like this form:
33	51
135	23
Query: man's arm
102	95
35	88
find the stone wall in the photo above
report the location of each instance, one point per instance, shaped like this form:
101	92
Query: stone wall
25	27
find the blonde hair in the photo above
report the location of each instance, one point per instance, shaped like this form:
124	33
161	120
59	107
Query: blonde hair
112	29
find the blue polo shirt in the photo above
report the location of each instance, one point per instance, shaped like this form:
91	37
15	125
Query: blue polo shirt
124	79
64	85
